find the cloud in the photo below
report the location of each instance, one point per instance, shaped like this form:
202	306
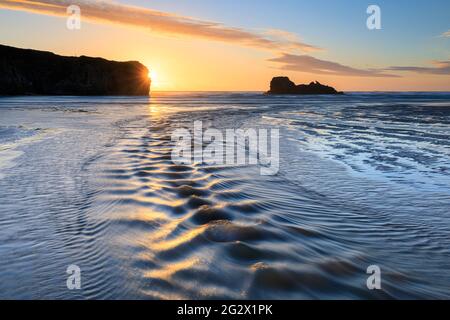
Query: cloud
105	11
446	34
440	68
290	40
309	64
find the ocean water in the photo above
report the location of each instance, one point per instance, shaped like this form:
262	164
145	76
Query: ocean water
364	179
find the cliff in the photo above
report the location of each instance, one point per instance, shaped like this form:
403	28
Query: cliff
282	85
32	72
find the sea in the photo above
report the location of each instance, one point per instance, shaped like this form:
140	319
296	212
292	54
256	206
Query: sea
362	192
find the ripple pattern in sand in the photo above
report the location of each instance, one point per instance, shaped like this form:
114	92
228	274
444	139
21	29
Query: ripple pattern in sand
196	231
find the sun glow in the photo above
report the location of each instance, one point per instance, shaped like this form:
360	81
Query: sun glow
153	75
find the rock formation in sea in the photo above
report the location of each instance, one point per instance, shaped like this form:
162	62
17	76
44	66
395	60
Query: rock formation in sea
32	72
282	85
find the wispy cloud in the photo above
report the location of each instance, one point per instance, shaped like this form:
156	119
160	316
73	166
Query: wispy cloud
440	68
160	22
446	34
309	64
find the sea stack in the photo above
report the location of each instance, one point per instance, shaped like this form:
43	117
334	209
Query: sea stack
32	72
283	85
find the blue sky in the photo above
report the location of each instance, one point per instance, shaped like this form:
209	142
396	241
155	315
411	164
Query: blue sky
335	25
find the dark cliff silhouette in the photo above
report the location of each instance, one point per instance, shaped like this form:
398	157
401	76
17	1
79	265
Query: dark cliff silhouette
282	85
32	72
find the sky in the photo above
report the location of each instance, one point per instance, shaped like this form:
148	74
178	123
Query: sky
240	45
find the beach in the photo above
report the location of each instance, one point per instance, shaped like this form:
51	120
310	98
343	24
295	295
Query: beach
363	179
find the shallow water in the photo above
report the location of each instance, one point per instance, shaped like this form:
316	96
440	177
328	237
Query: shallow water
364	179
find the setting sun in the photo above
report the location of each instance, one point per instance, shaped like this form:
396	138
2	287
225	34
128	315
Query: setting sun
154	78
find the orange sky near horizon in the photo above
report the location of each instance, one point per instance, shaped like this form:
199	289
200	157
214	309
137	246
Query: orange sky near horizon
203	66
196	65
